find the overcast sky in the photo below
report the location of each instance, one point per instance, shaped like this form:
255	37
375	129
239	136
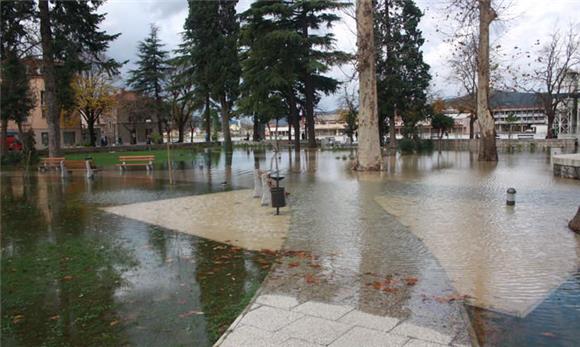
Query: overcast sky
524	23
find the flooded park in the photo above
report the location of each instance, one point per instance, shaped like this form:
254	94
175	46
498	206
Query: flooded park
130	258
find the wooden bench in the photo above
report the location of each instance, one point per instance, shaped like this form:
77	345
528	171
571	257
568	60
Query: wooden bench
136	160
65	166
50	163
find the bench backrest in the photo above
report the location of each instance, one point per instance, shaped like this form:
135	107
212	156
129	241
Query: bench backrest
52	160
146	158
76	164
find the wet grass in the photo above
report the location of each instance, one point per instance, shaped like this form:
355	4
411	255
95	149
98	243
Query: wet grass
60	294
112	158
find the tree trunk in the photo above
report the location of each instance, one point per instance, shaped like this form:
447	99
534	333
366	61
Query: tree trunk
181	132
295	121
309	95
3	137
393	132
225	112
256	134
92	135
369	149
471	127
487	147
207	119
49	73
551	116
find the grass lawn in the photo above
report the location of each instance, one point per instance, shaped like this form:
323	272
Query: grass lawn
112	158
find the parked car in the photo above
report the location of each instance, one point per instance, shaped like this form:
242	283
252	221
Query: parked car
13	143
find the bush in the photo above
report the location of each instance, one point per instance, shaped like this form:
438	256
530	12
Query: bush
406	146
425	145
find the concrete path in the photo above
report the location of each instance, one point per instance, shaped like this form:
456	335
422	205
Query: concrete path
278	320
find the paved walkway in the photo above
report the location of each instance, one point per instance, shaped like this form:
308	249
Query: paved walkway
278	320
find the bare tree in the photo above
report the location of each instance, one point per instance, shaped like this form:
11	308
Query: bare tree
469	12
553	63
369	148
464	70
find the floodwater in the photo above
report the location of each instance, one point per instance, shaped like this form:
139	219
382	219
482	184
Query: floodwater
429	240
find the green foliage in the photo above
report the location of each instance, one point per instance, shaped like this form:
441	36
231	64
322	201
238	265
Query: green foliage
406	145
211	44
442	123
424	145
285	56
402	75
17	99
78	43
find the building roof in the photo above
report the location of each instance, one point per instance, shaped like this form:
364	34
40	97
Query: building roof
503	100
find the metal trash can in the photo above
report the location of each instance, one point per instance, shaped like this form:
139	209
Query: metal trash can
278	197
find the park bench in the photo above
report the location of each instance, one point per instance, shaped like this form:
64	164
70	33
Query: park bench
136	160
50	163
65	166
525	136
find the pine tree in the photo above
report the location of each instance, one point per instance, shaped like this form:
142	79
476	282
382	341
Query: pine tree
212	31
197	40
287	53
71	41
310	17
271	61
150	76
402	75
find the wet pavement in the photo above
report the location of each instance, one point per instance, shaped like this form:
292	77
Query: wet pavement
404	244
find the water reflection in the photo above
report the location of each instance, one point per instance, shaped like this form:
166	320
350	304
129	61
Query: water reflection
156	283
73	275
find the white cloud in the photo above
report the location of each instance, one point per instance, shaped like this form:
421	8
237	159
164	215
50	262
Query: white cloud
525	22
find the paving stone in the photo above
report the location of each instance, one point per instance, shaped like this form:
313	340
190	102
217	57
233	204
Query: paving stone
421	343
247	336
315	330
368	338
421	333
298	343
270	318
323	310
280	301
365	320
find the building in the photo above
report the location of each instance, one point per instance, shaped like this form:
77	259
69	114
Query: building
526	108
326	125
567	119
130	121
70	124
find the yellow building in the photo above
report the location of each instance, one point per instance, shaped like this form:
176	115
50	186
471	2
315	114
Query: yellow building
70	124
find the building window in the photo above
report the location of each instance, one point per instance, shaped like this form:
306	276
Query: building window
42	98
44	139
69	138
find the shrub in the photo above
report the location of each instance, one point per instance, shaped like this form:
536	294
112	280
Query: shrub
425	145
406	145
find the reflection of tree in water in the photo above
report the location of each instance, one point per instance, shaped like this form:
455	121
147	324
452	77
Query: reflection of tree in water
58	282
158	242
223	280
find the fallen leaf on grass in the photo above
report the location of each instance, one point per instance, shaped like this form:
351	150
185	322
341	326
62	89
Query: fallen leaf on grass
310	279
113	323
67	278
294	264
411	281
55	317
